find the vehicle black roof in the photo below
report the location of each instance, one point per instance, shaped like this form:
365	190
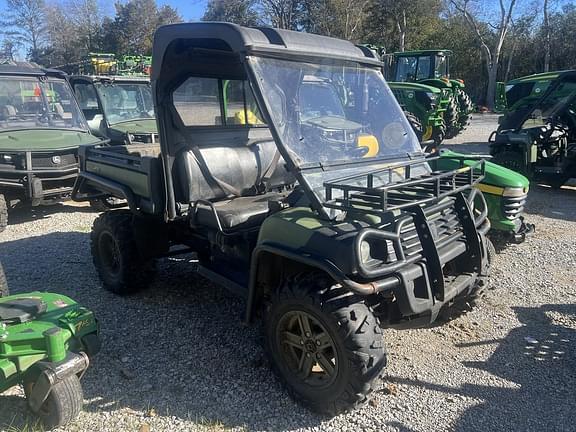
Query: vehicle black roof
257	40
28	69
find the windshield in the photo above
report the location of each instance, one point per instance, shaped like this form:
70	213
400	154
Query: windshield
412	69
440	66
124	102
331	113
29	103
558	106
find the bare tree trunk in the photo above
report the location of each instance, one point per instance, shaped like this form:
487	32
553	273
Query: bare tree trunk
547	37
510	57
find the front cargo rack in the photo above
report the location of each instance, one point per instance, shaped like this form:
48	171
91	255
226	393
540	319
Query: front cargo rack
365	197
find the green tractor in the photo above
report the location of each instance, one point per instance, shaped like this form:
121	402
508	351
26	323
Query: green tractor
431	68
537	136
46	341
425	109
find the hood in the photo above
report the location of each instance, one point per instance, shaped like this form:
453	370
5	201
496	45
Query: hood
333	122
136	126
495	174
414	86
44	139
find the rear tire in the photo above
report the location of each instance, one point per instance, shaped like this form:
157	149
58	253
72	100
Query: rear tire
4	291
334	353
3	213
63	404
121	267
416	125
451	119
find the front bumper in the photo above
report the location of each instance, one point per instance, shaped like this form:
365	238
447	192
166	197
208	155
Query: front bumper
40	176
444	256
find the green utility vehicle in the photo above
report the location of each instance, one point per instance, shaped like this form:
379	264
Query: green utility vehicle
523	91
118	108
537	136
46	341
41	128
431	68
330	221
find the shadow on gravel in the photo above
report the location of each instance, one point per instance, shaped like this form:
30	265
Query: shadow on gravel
176	350
539	361
23	214
551	203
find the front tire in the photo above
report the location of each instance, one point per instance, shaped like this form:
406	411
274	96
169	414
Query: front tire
115	254
324	343
3	213
63	404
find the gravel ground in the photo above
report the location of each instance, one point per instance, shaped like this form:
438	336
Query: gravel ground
177	358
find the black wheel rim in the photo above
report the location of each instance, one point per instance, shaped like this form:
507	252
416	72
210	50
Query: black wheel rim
308	350
109	253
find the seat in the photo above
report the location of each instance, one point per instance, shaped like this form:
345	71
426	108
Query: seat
237	213
21	310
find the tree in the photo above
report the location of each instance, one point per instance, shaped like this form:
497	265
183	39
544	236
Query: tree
401	24
133	27
492	51
240	12
337	18
284	14
25	21
8	49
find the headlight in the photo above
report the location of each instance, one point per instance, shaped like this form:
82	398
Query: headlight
7	159
365	252
375	249
514	192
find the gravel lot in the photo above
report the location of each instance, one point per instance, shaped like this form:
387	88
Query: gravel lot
176	357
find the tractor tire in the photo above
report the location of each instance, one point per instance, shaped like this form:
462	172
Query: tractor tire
464	304
121	267
334	354
511	160
63	404
3	213
4	291
416	124
439	133
465	108
451	119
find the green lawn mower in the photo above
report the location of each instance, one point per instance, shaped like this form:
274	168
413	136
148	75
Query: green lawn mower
46	341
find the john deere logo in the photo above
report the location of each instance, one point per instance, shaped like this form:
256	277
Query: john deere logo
56	160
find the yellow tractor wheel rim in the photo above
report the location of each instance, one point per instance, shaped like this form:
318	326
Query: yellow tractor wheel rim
427	133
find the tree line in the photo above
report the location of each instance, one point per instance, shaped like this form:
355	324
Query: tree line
491	40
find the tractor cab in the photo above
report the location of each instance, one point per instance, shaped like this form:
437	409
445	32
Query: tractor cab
419	66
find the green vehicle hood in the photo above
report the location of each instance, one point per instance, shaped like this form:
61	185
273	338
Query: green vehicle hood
414	87
495	174
44	139
546	76
457	84
137	126
436	82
